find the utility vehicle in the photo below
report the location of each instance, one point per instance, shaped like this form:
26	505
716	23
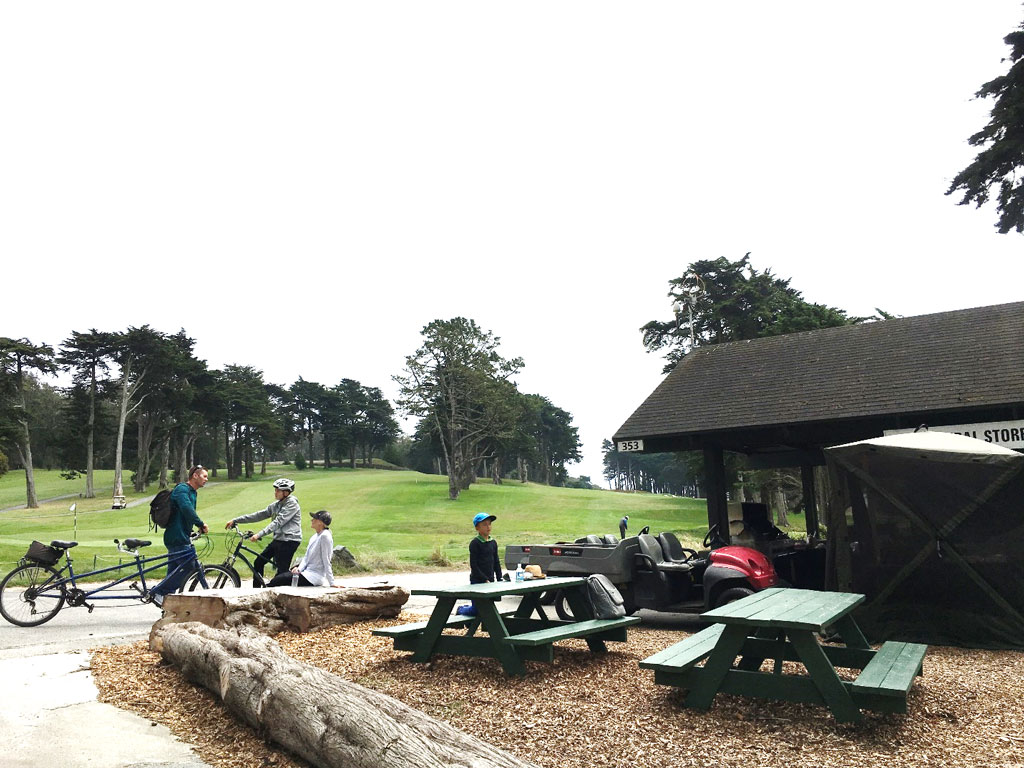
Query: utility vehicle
656	573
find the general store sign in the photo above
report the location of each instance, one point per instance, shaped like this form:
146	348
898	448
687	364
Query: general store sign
1009	434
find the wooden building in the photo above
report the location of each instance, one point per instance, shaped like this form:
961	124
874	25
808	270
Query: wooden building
781	400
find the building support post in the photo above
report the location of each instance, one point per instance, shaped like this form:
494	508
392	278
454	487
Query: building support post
718	507
810	501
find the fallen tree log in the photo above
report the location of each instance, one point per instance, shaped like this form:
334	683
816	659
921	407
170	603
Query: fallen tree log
322	718
272	610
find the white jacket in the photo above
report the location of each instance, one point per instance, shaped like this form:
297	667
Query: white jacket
315	565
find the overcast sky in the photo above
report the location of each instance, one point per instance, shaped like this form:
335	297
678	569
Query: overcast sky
304	186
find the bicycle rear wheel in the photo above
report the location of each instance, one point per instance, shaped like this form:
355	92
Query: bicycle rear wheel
217	577
28	596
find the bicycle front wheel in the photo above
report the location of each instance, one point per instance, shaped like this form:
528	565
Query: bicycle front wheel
217	577
28	595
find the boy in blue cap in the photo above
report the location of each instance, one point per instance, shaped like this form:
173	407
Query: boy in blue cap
484	564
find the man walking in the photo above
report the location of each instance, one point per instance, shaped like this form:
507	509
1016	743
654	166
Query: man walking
176	535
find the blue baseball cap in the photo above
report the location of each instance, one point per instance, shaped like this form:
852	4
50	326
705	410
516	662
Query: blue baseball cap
480	517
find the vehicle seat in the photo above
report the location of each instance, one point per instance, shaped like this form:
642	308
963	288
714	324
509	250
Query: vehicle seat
610	539
672	549
649	546
594	539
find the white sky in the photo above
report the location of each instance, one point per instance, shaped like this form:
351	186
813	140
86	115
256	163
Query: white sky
303	186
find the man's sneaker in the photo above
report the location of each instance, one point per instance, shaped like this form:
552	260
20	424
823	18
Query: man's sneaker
466	610
158	600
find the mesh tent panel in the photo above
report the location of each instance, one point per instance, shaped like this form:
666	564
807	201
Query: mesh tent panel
938	601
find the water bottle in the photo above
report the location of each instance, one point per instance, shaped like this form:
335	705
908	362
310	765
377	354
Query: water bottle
519	572
295	579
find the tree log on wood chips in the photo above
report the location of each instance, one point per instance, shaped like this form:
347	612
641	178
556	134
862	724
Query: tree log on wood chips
317	715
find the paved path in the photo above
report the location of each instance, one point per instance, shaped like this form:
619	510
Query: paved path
50	716
129	505
43	501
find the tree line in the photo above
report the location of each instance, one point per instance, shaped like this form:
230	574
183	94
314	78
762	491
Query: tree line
141	400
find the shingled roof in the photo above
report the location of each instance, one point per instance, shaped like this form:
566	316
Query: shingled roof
960	361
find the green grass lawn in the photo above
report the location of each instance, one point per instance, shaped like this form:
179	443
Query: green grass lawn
49	484
389	520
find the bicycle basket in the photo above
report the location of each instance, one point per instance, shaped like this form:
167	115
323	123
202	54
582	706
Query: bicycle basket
42	554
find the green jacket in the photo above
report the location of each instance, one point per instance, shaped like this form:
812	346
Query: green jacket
183	516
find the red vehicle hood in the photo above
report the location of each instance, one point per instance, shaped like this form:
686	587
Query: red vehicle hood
754	565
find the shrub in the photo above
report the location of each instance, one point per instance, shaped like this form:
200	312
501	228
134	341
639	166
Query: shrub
439	557
300	461
4	464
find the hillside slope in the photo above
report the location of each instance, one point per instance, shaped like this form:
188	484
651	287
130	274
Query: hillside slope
386	518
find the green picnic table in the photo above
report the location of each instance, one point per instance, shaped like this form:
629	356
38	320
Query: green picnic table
526	634
783	625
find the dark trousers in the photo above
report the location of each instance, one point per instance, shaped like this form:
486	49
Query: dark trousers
285	580
180	566
280	552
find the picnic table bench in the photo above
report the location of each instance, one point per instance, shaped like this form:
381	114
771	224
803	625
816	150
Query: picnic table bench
511	637
781	624
415	629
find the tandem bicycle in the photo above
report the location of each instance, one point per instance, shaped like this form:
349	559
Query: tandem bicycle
36	590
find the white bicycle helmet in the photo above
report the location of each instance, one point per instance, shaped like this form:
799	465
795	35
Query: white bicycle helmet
284	484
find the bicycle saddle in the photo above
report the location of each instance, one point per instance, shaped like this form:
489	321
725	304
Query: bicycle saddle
136	543
63	544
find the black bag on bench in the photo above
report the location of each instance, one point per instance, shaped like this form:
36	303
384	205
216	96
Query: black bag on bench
604	597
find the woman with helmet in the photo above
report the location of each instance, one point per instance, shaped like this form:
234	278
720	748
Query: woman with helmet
285	526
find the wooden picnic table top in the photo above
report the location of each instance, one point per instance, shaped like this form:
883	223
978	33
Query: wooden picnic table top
495	589
785	608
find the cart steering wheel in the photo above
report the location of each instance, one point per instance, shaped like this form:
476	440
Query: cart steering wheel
710	536
645	529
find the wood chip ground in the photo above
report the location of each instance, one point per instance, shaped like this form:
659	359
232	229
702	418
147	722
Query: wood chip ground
587	710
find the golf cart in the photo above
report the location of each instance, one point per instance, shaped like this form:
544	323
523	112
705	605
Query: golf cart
652	572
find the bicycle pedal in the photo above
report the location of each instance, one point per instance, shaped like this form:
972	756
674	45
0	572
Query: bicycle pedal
135	585
90	607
